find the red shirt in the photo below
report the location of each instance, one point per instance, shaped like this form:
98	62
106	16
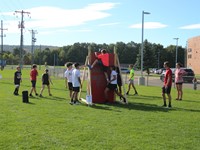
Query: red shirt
33	75
104	58
168	75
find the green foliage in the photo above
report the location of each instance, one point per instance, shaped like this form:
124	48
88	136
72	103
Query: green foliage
51	123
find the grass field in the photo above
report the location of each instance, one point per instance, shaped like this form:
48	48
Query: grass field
51	123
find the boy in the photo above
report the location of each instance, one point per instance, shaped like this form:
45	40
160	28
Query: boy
100	62
131	80
45	81
166	89
76	83
68	78
112	85
17	80
33	78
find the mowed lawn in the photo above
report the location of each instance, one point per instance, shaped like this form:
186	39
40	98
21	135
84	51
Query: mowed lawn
52	123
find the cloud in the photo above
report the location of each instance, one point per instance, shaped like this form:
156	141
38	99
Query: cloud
193	26
54	17
149	25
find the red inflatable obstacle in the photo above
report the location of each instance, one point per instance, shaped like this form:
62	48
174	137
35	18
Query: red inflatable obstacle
98	80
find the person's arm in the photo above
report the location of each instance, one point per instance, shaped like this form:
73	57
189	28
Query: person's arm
50	80
79	79
114	78
168	80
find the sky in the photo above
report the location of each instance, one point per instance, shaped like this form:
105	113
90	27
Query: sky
65	22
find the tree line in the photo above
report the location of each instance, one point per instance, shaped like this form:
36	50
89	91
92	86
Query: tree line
129	53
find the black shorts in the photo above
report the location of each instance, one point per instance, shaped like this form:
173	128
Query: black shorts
103	68
166	90
76	89
70	87
112	86
33	83
45	83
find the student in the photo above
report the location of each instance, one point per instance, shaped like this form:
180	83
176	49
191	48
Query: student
68	78
33	78
179	80
166	89
100	62
112	85
119	80
76	83
46	81
17	80
131	80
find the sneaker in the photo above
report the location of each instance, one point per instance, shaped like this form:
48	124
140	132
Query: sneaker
127	93
136	94
40	95
164	105
36	94
89	66
77	102
124	100
169	105
72	103
50	94
30	95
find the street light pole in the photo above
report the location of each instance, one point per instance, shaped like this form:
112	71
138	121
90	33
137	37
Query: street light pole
142	79
176	50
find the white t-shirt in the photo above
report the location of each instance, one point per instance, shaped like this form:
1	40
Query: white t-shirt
113	73
75	76
68	75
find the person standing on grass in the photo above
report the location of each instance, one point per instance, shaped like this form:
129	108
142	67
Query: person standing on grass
68	78
166	89
112	85
131	80
33	78
46	81
119	80
76	83
17	80
179	80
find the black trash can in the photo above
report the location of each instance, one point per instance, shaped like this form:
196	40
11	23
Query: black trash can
25	96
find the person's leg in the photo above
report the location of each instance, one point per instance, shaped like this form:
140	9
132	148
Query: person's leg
181	92
164	97
134	88
106	76
72	97
177	88
49	90
120	95
42	89
169	98
129	87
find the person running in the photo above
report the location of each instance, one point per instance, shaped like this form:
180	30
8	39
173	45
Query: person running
17	80
131	80
33	78
166	89
46	81
112	85
68	78
76	83
101	62
179	80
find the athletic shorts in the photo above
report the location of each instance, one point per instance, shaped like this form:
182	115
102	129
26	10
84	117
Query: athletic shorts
33	83
45	83
179	83
104	68
76	89
70	87
131	81
112	86
166	90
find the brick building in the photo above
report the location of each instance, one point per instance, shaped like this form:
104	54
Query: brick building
193	54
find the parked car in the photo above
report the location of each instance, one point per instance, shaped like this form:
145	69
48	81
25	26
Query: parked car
186	78
125	70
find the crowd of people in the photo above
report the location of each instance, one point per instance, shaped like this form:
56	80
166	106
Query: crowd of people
114	81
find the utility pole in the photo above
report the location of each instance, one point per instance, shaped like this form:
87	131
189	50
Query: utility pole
2	44
33	40
21	26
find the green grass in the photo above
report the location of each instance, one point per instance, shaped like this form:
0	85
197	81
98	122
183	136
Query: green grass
51	123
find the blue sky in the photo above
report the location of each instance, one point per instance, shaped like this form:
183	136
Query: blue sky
64	22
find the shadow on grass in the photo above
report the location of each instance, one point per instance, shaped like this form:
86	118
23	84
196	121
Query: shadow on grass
56	98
